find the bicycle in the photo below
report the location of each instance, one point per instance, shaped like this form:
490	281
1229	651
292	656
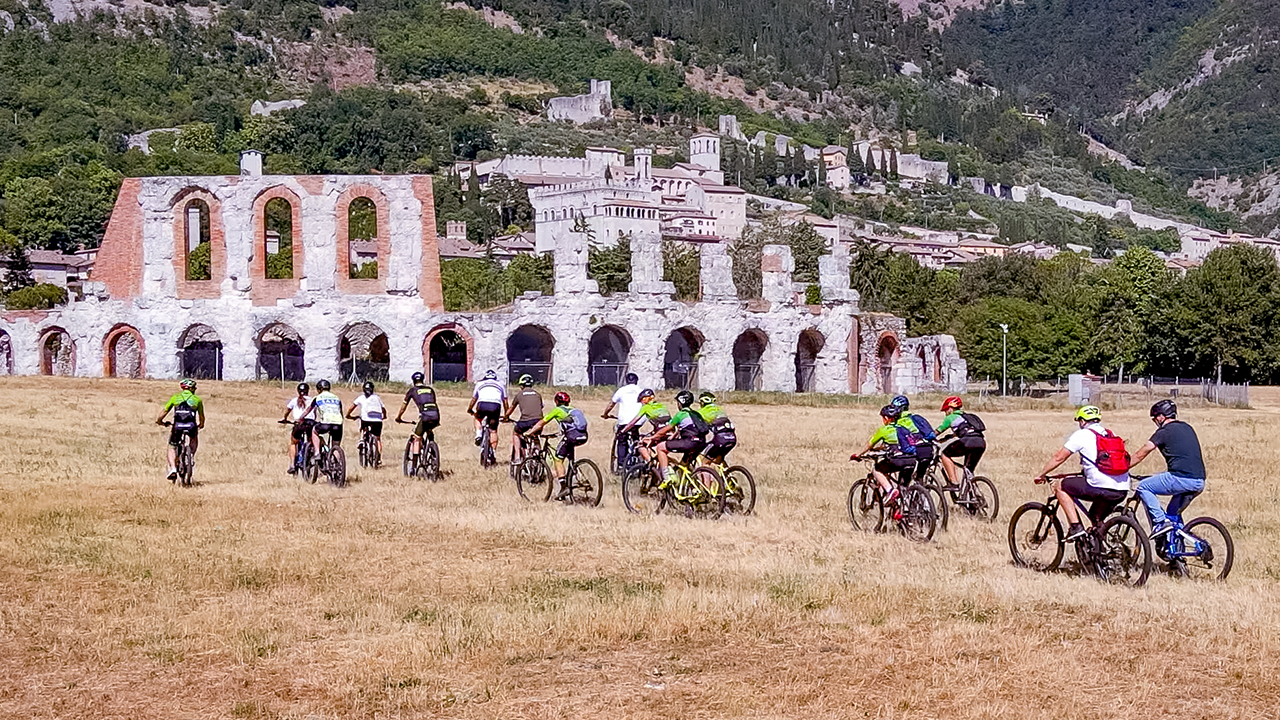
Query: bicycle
700	490
184	459
975	495
626	442
582	483
302	458
1116	551
487	457
370	456
739	487
421	455
1189	550
332	461
913	513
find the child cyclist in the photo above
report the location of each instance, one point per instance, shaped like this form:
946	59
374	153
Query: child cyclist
901	460
573	433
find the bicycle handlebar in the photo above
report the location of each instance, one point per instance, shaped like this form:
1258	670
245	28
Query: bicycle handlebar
1044	479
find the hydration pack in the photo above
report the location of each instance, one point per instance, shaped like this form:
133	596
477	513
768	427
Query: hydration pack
923	427
1113	459
184	416
973	425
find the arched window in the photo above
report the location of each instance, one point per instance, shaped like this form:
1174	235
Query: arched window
124	355
680	359
362	239
748	352
363	353
280	354
200	353
607	355
529	352
807	349
278	239
198	245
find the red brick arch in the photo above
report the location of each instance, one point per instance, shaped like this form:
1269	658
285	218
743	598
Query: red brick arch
268	291
345	283
193	289
108	347
443	327
47	363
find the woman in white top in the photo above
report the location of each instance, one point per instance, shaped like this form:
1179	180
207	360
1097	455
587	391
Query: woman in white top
372	414
303	416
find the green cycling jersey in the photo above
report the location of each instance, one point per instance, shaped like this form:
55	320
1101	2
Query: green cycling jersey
655	413
185	397
715	415
949	421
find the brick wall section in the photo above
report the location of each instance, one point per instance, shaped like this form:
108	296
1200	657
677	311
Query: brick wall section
267	291
429	281
353	286
119	262
193	289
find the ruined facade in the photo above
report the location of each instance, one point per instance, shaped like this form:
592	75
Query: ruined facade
252	277
597	104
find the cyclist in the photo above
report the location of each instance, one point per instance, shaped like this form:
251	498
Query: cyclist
372	413
529	401
691	436
901	460
328	410
921	434
723	436
487	403
423	396
1105	491
188	419
1185	475
304	419
651	411
573	432
627	402
969	445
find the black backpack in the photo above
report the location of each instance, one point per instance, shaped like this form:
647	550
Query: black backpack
973	423
700	425
184	415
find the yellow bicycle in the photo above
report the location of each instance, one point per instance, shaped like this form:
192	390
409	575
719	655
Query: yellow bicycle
698	491
739	487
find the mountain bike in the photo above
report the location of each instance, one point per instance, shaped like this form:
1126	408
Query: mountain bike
302	458
627	443
331	461
1116	550
1198	549
974	496
582	483
370	456
184	459
913	513
421	455
739	487
487	458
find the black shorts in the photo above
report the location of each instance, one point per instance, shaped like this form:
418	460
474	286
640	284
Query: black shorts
721	443
1104	501
426	423
896	467
968	449
373	426
302	429
490	414
565	449
524	426
689	446
176	433
334	431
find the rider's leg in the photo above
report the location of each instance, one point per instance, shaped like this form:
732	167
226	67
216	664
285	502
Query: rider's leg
173	458
661	449
493	440
949	467
1179	502
1066	503
195	443
1165	484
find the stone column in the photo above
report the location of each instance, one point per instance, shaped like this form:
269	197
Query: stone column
716	274
776	267
647	267
833	277
571	266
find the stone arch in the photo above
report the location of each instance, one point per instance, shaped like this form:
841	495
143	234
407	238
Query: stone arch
748	356
608	354
6	353
529	352
124	353
197	230
368	207
447	352
57	352
808	345
887	350
281	353
267	290
200	353
364	353
937	365
680	358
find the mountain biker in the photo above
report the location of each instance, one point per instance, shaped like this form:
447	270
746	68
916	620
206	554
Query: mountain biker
651	411
1185	474
423	396
969	445
372	413
921	434
723	436
1105	491
328	410
303	416
529	401
627	401
573	432
690	432
488	400
900	461
188	419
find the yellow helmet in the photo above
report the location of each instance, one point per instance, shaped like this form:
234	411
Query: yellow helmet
1089	413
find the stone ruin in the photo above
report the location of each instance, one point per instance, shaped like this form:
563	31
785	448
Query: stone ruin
597	104
248	277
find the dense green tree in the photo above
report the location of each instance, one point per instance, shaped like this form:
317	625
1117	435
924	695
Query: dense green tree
610	266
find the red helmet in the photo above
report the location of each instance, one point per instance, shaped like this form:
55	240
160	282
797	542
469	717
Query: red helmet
952	403
562	398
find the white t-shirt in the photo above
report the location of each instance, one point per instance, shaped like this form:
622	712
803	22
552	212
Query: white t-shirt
371	407
626	403
297	407
1085	442
490	391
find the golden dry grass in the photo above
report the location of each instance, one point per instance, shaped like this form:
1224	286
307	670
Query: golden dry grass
255	596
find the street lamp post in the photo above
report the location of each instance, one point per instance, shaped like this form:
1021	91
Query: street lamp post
1004	359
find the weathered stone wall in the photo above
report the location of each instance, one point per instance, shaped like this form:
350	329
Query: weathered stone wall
597	104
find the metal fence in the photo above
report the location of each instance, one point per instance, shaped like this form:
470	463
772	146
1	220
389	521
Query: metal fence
1115	390
606	373
540	372
746	376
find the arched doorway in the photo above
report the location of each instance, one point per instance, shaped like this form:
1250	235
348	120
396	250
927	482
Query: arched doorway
363	354
200	353
807	349
680	359
280	354
57	353
529	352
448	354
124	354
748	350
6	354
887	355
937	365
607	355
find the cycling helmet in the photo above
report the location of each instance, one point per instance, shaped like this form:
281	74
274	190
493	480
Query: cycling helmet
368	388
632	378
1089	413
1166	408
323	386
187	384
525	380
490	375
645	393
303	388
684	398
891	412
562	398
952	403
418	378
901	402
706	396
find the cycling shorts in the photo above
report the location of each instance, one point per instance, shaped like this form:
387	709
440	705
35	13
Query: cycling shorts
896	467
1104	500
333	430
721	443
373	426
565	449
302	429
524	426
176	433
489	413
691	447
968	449
425	425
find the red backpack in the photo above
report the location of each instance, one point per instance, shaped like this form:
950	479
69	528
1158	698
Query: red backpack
1113	459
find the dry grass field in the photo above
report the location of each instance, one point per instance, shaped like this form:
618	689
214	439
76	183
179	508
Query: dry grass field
253	595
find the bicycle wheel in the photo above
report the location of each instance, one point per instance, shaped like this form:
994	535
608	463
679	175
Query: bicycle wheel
311	467
533	480
362	450
1214	550
709	501
587	486
640	493
429	463
1124	553
740	491
338	467
982	501
919	519
186	465
939	500
1035	537
864	505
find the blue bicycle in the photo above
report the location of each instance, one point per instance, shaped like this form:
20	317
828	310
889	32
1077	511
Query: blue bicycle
302	458
1200	549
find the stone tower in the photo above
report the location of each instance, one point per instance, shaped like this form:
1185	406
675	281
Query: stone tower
704	151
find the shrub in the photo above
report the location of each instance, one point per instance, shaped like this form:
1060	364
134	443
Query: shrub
37	297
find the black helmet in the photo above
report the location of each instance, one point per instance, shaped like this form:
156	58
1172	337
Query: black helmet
892	412
323	386
684	398
645	393
632	378
1166	408
303	388
418	377
368	387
